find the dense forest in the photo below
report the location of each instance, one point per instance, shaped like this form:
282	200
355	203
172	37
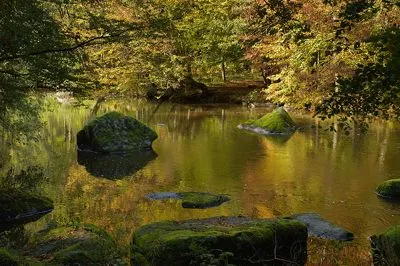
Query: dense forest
333	57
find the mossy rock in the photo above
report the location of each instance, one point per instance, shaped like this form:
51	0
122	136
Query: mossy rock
278	122
201	200
389	189
75	245
18	208
115	133
241	240
386	247
192	200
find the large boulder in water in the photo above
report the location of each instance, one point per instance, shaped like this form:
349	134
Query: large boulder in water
389	189
235	240
386	247
278	122
17	208
115	133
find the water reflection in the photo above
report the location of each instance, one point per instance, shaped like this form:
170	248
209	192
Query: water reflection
114	166
200	148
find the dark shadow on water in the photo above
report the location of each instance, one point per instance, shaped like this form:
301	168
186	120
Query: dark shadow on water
114	166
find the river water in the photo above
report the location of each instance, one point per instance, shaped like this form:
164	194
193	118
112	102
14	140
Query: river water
201	149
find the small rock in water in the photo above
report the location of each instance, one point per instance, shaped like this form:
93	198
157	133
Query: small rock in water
163	195
192	200
319	227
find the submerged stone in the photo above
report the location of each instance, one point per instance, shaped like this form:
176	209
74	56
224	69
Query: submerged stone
75	245
386	247
319	227
17	208
114	166
115	133
389	189
192	200
236	240
278	122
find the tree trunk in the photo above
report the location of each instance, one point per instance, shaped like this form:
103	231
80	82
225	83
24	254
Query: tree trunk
223	71
188	69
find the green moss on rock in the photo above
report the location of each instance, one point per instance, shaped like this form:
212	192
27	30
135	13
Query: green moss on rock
389	189
277	122
18	208
75	245
115	133
247	241
386	247
200	200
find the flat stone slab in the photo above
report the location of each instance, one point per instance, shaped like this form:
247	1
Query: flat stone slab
192	200
221	240
319	227
18	208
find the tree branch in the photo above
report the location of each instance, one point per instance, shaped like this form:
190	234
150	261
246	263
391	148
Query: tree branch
65	49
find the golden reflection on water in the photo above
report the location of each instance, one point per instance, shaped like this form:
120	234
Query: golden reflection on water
200	149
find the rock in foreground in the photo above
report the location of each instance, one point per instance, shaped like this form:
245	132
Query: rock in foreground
115	133
74	245
319	227
192	200
389	189
386	247
17	208
278	122
237	240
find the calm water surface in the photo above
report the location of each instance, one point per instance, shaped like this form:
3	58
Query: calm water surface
200	148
